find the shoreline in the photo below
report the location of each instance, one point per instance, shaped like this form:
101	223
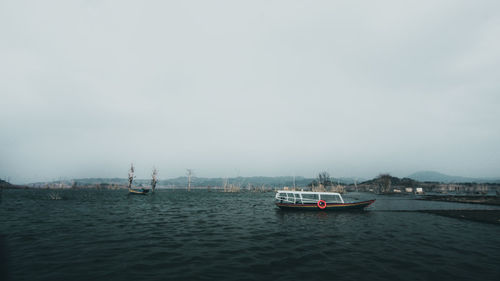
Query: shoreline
480	199
485	216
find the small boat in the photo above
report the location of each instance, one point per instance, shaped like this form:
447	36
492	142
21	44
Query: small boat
132	191
322	201
141	191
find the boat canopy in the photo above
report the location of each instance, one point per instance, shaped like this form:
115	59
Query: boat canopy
303	197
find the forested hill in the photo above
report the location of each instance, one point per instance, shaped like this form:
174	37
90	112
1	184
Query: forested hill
407	182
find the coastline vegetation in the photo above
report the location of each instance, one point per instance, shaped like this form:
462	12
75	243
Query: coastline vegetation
382	184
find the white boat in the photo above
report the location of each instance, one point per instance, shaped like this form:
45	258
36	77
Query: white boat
308	200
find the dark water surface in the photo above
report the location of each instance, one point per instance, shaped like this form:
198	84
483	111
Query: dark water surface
200	235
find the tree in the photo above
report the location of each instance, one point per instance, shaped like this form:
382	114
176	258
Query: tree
384	182
321	182
324	179
131	176
154	179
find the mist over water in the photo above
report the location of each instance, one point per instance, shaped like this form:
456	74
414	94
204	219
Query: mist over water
201	235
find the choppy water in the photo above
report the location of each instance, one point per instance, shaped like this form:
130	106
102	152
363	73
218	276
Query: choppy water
200	235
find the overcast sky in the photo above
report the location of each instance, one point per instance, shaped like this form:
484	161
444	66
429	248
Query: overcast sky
244	88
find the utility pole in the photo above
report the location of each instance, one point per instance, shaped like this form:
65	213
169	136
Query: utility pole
189	173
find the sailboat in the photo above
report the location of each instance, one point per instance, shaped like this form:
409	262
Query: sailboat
132	191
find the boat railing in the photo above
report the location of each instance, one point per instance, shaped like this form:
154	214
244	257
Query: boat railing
284	197
308	197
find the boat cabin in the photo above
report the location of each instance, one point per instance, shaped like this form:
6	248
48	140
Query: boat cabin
305	197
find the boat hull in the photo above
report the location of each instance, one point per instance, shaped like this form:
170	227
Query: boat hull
138	192
329	207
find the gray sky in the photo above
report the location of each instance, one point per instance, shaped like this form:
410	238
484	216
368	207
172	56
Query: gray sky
242	88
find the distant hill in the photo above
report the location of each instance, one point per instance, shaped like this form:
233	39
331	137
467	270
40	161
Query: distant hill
406	182
431	176
199	181
7	185
240	181
4	184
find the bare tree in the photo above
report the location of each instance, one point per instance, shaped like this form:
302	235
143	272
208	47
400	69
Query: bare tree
385	182
130	175
154	179
324	179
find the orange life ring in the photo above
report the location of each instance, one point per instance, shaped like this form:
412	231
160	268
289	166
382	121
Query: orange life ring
322	204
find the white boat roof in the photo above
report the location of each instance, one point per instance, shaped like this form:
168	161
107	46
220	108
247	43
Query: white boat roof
308	192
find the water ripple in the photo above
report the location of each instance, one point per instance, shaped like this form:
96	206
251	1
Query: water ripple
199	235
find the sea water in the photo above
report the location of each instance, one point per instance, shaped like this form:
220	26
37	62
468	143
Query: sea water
201	235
